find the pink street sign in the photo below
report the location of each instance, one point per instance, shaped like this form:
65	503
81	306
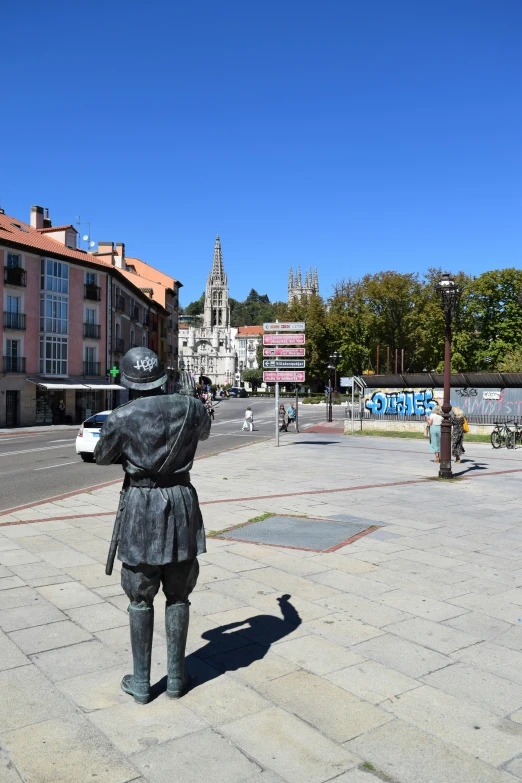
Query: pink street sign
284	351
283	339
285	375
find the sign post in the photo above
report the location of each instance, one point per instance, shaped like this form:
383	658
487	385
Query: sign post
290	368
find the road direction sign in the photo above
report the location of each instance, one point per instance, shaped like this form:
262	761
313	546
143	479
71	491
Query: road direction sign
284	364
294	326
289	376
284	339
284	351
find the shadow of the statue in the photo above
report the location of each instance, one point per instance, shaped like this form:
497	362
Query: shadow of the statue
237	645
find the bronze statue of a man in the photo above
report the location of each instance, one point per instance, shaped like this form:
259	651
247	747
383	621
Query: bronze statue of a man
159	528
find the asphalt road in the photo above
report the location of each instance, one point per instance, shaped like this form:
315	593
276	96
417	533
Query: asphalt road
41	465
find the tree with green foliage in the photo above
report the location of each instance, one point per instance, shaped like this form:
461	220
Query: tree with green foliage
253	377
196	307
319	343
351	324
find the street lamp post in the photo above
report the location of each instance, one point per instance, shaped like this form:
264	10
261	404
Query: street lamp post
449	293
332	367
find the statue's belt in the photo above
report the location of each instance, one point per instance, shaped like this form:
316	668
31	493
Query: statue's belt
159	482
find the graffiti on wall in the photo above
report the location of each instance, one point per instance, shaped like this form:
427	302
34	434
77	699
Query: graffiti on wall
417	402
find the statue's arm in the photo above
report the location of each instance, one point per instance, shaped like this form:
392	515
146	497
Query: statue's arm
204	423
108	448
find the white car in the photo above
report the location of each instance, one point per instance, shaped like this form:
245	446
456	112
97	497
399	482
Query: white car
88	435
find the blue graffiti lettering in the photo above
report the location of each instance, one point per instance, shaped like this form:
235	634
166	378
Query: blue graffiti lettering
406	403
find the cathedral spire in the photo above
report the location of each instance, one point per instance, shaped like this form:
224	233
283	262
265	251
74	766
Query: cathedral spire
290	278
218	273
298	276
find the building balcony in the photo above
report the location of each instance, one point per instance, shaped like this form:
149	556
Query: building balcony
146	320
92	292
120	303
92	368
92	330
15	275
14	321
154	325
119	346
135	313
14	364
170	350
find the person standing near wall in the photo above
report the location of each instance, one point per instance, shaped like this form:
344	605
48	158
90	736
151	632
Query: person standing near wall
457	419
434	421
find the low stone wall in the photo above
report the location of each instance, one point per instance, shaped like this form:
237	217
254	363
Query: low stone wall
404	426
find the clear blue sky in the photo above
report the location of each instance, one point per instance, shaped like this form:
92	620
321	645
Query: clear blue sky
351	135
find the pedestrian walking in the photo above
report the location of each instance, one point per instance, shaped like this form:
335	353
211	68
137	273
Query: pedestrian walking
249	419
158	532
61	411
283	419
458	427
291	415
434	421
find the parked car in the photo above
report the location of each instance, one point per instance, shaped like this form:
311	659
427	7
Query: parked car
88	435
237	391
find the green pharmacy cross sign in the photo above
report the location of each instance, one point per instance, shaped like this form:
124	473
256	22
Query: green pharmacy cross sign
114	372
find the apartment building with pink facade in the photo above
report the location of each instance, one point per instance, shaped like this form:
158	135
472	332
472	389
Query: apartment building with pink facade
68	317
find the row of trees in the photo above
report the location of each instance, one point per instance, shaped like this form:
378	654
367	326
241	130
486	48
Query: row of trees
402	311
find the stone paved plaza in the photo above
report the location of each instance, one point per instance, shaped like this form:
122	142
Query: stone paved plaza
397	657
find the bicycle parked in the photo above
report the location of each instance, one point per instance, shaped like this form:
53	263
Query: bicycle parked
515	435
503	436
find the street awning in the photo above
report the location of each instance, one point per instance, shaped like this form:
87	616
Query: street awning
65	384
112	386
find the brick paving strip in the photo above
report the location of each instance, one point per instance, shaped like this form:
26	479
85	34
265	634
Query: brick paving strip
398	654
239	499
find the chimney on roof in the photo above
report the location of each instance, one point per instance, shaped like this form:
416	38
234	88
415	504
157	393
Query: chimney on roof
2	211
46	222
119	260
105	249
37	217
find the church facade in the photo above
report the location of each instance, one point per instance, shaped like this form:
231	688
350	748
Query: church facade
299	288
210	350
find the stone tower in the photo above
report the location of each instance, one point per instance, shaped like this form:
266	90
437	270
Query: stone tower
296	288
217	310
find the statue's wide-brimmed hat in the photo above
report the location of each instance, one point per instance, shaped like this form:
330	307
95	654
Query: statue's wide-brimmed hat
141	369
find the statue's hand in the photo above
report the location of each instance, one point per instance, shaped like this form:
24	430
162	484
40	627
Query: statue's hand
186	385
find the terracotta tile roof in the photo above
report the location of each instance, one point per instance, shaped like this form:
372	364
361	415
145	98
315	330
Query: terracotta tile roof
150	273
55	228
249	331
159	292
13	231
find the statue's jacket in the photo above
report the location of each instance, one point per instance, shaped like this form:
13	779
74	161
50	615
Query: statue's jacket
156	438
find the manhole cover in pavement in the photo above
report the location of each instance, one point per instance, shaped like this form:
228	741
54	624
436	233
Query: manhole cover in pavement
318	535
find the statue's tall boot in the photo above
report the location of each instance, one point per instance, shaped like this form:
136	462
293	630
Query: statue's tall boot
141	630
176	626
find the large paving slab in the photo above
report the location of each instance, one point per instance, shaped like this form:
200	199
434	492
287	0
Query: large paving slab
290	747
201	756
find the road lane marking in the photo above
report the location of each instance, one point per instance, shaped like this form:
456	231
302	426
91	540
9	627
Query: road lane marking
62	465
63	440
29	451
